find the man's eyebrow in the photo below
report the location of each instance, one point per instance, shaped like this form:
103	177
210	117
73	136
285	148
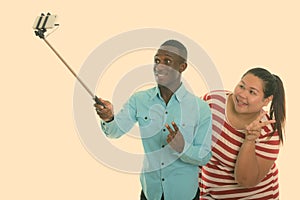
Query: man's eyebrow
165	54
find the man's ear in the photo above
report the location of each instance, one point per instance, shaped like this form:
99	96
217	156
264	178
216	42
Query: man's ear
182	67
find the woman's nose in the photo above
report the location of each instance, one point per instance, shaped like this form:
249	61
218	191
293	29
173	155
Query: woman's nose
243	93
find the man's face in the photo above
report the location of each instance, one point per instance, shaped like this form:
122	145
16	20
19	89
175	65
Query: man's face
167	68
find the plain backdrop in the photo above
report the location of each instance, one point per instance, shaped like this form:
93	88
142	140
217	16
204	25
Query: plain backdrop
41	154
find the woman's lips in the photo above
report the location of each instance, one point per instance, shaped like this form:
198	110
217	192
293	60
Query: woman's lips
240	102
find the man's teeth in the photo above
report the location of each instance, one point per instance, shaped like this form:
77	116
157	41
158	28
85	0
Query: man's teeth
160	74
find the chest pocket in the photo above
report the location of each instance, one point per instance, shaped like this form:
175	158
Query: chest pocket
151	117
150	121
187	129
144	120
149	125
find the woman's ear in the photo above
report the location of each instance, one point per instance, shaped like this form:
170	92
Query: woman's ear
268	100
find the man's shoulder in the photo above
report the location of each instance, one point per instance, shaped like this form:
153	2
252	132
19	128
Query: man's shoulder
193	98
145	93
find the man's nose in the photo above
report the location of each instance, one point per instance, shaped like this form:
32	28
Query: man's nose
159	67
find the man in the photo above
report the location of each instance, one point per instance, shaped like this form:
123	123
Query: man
175	128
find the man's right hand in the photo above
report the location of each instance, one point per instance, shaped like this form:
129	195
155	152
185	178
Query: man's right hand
105	113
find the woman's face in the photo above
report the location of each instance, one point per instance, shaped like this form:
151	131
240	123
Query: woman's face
248	95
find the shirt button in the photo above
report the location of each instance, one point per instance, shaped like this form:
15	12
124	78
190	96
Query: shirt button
163	179
166	112
162	163
163	146
164	130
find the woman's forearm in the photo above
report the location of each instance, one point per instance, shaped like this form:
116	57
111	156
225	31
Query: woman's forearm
247	166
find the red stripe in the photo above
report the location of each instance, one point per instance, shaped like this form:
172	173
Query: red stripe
218	119
267	150
225	157
228	148
218	97
216	107
234	131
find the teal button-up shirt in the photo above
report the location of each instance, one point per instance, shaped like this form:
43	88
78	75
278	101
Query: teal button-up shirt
166	171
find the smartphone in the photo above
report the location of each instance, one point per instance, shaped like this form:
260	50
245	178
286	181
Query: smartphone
45	22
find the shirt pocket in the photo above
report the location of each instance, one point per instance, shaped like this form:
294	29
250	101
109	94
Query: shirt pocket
187	129
144	120
149	125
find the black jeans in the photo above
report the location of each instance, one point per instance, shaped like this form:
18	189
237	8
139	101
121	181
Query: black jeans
162	198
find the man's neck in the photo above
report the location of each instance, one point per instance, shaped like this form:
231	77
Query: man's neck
166	93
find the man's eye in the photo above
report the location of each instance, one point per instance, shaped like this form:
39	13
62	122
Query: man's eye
167	61
156	61
241	86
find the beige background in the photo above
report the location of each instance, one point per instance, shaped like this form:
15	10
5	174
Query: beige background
41	154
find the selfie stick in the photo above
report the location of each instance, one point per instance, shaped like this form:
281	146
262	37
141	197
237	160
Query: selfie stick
41	25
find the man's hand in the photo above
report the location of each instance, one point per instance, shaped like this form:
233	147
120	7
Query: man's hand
175	138
105	113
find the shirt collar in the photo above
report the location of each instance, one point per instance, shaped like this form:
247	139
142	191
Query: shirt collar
179	93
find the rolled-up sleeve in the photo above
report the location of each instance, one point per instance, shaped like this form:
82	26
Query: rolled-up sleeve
123	121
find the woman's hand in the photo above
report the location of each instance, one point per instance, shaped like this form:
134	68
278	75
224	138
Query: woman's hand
253	130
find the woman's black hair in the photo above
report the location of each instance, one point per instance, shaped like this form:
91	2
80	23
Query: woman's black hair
273	86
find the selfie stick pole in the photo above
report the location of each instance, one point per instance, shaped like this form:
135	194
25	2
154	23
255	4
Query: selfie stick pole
69	68
40	30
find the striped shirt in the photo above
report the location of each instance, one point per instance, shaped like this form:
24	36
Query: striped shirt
217	177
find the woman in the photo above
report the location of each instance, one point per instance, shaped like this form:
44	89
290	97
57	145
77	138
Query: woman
246	139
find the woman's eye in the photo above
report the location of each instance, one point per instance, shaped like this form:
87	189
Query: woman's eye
252	92
241	86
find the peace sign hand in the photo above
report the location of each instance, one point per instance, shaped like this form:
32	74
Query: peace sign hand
175	138
253	130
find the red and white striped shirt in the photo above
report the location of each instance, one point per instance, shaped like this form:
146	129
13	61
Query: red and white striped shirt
217	176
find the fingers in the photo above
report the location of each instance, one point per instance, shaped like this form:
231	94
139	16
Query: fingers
172	133
104	104
175	127
259	124
261	115
101	103
265	123
104	111
254	128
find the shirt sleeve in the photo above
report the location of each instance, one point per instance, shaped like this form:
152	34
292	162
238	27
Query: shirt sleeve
268	146
197	150
123	121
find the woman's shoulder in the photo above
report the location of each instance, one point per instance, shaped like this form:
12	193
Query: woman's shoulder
216	95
